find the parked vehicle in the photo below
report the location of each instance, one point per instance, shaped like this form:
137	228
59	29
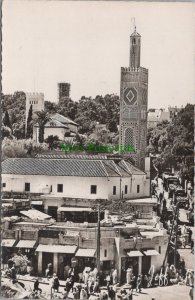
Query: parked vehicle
170	184
180	196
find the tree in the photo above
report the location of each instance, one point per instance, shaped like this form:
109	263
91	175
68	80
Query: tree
15	105
6	120
21	262
29	129
21	148
112	126
53	141
42	118
173	142
6	132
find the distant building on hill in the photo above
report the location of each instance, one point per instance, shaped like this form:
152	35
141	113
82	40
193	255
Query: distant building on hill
156	116
63	91
37	102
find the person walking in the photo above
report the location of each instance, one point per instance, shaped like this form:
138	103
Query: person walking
108	279
129	275
114	277
96	287
189	235
112	294
191	293
130	294
55	283
139	283
83	294
36	286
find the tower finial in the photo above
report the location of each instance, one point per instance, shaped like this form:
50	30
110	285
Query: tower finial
133	22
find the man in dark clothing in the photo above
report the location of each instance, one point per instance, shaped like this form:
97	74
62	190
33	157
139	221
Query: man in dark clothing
55	283
111	294
190	235
36	286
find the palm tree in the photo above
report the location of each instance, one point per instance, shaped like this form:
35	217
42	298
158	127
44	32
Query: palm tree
42	118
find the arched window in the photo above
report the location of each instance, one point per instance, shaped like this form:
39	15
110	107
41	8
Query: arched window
134	41
129	137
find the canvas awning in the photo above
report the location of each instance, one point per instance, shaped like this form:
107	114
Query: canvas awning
85	252
34	214
67	249
39	202
26	244
134	253
74	209
151	252
7	242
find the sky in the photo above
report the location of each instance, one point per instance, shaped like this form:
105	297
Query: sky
86	44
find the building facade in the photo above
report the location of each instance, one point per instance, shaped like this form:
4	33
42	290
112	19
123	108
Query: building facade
133	103
74	245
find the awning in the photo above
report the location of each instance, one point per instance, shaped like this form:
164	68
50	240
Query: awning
74	209
68	249
26	244
7	242
37	202
151	252
34	214
86	252
134	253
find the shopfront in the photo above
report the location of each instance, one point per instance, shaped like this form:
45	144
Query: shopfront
58	255
132	259
7	250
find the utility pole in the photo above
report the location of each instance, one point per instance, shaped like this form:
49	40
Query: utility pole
98	241
176	229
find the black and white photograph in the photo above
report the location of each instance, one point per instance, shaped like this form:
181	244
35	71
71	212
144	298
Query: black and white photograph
97	150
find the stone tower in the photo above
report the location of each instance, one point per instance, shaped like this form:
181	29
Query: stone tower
37	102
133	104
63	91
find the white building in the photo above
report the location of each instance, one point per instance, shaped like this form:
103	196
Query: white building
59	178
57	125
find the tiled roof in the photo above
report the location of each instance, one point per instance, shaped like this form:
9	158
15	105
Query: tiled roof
55	123
55	167
67	166
62	119
128	167
60	155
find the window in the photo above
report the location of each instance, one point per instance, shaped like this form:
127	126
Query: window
159	249
93	189
27	187
51	189
4	184
114	190
126	189
60	188
138	188
105	253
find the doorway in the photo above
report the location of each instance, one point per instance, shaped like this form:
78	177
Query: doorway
146	263
47	259
52	211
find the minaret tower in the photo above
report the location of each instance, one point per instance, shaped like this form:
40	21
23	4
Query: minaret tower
133	104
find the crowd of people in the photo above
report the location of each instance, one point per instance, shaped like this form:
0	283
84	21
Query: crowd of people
88	286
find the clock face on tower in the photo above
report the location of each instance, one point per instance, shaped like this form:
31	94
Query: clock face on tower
130	96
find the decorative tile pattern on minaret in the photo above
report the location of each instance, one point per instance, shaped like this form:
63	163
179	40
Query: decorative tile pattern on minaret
133	103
